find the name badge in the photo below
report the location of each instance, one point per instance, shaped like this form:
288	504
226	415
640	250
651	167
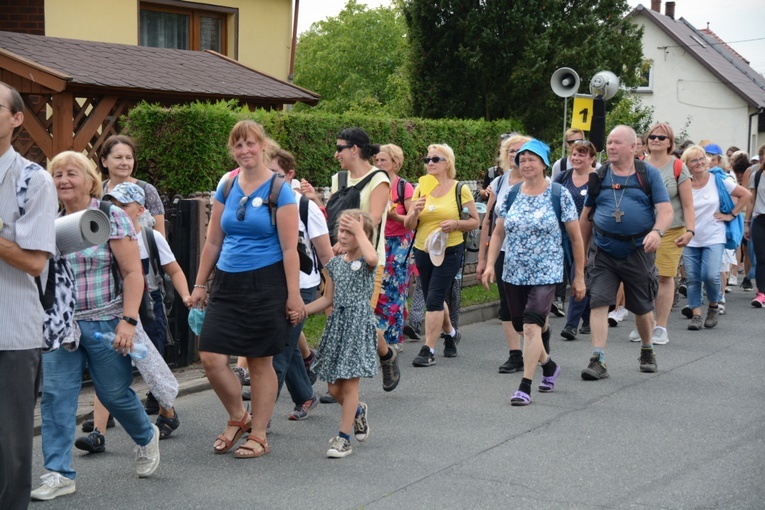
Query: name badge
257	202
356	265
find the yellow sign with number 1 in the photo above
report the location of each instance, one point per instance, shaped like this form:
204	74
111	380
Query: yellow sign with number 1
582	115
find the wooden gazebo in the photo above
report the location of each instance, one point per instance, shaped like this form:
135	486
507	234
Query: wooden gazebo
75	91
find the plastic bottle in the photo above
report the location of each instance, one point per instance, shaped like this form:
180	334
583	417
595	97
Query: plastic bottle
139	350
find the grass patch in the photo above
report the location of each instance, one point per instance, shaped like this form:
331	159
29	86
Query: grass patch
473	295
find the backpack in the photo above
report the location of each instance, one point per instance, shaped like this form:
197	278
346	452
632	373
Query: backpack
59	298
314	259
555	198
346	197
164	282
401	191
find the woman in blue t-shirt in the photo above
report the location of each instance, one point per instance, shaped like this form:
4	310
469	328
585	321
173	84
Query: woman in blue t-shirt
256	284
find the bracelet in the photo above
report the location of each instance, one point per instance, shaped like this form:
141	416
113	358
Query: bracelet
747	221
691	231
130	320
200	287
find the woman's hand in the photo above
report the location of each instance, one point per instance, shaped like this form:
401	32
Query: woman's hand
479	269
684	239
419	205
295	309
198	298
123	338
724	217
450	225
307	190
488	277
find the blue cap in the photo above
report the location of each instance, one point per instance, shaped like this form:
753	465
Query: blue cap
713	149
127	192
538	147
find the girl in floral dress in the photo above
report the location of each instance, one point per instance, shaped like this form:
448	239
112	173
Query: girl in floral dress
347	350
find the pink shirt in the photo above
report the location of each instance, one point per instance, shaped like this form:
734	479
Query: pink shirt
394	228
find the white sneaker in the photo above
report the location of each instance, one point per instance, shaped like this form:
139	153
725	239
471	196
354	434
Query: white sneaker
53	486
733	280
634	335
616	316
720	309
660	336
622	313
147	457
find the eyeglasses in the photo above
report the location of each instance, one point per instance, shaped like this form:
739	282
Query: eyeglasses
434	159
661	138
341	148
242	209
571	142
697	161
505	136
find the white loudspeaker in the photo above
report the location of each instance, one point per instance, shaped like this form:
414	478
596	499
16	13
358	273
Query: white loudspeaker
604	83
564	82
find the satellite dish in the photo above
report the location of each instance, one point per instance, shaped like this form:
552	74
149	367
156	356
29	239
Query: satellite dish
604	83
564	82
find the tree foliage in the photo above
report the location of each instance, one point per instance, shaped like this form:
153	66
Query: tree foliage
493	58
356	61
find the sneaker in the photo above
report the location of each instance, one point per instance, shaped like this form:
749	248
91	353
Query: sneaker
425	358
660	336
411	333
246	393
398	347
53	486
390	371
696	323
595	370
360	425
733	280
728	289
520	398
557	308
513	364
634	335
548	383
147	457
721	309
616	316
585	329
647	360
687	312
241	373
339	447
309	362
95	442
151	406
450	344
327	398
682	288
87	425
301	410
758	301
746	285
569	332
712	317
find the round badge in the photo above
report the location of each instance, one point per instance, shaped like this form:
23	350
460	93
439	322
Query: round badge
356	265
706	196
257	202
432	208
583	192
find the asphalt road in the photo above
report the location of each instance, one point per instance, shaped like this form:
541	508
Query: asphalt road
689	436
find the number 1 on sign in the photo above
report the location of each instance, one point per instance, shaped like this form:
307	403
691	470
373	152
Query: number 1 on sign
584	112
582	117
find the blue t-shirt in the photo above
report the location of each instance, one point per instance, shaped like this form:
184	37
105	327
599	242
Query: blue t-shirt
253	242
577	193
533	242
639	215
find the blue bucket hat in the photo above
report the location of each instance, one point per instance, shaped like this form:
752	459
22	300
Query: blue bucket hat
538	147
713	149
126	193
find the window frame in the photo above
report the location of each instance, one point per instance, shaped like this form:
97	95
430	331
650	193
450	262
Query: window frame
195	12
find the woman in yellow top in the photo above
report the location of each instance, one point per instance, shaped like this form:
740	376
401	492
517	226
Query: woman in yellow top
439	245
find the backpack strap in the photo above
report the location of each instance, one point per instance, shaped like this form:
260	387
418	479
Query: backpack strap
401	191
563	164
105	208
342	179
151	247
277	181
757	181
303	210
141	184
458	196
564	176
677	166
556	197
229	183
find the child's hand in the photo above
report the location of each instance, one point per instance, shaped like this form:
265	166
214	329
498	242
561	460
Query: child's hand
352	225
187	301
294	318
307	190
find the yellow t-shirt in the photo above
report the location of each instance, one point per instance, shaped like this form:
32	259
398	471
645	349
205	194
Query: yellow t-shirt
365	199
437	210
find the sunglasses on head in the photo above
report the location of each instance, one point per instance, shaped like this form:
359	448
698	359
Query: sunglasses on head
341	148
242	209
434	159
570	142
661	138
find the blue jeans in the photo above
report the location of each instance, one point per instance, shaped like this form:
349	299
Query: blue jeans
702	265
112	376
577	309
289	364
752	258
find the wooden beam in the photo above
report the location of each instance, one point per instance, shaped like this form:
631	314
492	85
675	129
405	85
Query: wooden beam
95	120
32	71
63	122
34	126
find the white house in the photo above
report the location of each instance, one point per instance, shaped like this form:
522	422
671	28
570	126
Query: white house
694	81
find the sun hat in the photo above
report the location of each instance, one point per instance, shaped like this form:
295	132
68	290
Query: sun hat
713	149
127	192
435	245
537	147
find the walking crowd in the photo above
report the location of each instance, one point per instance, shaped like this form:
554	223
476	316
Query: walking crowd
619	235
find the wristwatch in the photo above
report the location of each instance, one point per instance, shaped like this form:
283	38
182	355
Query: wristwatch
130	320
660	231
691	231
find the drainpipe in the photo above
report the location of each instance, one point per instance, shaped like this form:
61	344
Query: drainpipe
749	133
291	76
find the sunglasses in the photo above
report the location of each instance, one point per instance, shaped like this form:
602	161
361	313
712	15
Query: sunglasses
242	209
434	159
661	138
571	142
584	143
341	148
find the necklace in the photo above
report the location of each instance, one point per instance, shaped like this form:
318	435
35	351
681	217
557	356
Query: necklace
617	214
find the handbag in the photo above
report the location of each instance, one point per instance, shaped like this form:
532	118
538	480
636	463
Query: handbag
146	308
734	229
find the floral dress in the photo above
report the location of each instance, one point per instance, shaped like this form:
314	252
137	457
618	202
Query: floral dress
348	347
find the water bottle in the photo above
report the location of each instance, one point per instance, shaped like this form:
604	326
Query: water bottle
139	350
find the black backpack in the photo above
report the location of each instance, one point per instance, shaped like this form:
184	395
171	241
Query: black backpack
164	282
346	197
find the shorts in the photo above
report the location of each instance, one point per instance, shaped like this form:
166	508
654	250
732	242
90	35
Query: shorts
669	254
604	273
529	304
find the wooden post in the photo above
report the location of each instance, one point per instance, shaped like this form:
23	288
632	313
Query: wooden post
63	122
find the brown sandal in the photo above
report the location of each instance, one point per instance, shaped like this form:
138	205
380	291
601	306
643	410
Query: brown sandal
244	425
249	452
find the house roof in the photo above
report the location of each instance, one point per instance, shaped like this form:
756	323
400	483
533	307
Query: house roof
138	70
712	53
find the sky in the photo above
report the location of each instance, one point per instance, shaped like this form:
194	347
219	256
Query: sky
736	22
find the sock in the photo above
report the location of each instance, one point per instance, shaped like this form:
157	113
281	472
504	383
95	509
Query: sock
600	354
387	356
358	411
525	386
713	307
453	332
347	437
648	347
517	352
310	358
548	369
659	327
432	351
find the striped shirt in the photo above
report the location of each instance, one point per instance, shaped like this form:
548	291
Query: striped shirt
21	315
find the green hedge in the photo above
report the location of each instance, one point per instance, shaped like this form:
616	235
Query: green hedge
183	149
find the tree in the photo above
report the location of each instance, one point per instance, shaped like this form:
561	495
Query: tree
356	61
494	58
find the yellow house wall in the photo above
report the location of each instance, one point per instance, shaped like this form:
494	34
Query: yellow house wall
264	33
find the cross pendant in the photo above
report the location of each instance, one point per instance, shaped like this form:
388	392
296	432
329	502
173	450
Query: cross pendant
617	214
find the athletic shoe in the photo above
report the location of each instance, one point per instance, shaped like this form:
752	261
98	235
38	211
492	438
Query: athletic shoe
647	360
660	336
721	309
301	410
87	425
557	308
696	323
242	374
687	312
634	335
246	393
327	398
450	344
513	364
398	347
548	383
95	442
595	370
53	486
309	362
728	289
411	333
616	316
712	317
425	358
733	280
147	457
360	425
339	447
758	301
568	332
585	329
683	287
746	285
390	371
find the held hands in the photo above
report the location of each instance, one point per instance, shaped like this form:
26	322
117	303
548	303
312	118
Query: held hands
197	298
123	338
295	309
187	301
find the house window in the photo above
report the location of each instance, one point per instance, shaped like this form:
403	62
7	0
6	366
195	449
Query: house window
177	25
645	78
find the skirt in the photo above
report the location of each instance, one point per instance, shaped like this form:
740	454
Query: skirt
246	315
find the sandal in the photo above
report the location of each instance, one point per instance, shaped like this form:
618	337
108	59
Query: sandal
520	398
244	425
548	383
249	452
167	425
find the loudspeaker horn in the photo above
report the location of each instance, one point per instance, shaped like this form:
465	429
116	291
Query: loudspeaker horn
564	82
604	83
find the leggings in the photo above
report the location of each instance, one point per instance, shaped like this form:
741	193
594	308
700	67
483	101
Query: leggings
757	239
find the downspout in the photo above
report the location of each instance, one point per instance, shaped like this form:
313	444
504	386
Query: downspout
291	75
749	134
